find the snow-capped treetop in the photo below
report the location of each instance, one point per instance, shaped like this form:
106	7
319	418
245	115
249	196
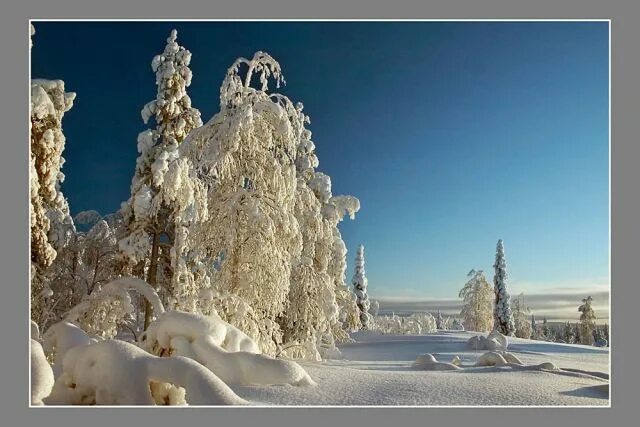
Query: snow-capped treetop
234	87
503	317
172	109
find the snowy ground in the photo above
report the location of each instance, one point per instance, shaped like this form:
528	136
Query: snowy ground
377	370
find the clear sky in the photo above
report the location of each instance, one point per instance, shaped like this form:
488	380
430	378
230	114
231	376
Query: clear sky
452	135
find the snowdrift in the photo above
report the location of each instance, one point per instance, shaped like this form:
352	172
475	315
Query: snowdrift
224	349
115	372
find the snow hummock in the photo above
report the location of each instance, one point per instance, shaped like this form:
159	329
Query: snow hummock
494	341
115	372
221	347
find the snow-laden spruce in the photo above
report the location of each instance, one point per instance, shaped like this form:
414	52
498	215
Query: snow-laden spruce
477	295
165	197
587	321
502	315
359	282
51	224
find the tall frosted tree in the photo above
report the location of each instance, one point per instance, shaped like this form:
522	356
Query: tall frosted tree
587	321
502	314
50	223
161	189
271	235
246	157
359	282
477	303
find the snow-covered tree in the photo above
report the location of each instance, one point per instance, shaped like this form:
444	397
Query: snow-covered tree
271	237
477	303
359	282
568	334
439	321
50	221
545	331
587	322
503	317
164	195
534	328
456	325
374	308
520	316
415	324
87	262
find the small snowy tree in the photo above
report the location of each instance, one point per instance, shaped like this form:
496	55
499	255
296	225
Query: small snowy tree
359	282
568	334
163	193
374	308
477	303
534	328
521	321
545	331
439	321
87	262
587	322
503	317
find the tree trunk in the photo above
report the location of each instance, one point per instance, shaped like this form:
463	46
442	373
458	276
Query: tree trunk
151	278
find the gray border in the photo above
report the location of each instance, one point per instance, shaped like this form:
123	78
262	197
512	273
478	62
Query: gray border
14	173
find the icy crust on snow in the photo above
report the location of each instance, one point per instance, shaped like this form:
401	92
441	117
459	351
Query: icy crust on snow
115	372
221	347
42	378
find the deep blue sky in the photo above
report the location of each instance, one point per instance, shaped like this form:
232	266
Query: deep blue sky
452	135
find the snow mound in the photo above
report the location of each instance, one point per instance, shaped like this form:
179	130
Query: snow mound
222	348
115	372
429	363
60	338
41	374
494	341
491	358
